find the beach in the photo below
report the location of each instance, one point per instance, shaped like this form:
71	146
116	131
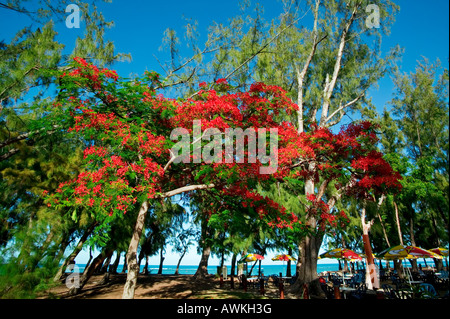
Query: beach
164	287
185	286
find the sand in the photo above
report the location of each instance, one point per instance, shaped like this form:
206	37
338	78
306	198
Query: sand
164	287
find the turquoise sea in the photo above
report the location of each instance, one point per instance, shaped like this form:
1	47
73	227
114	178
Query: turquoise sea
265	269
191	269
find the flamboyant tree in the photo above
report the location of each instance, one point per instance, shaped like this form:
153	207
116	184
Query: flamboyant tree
326	67
131	160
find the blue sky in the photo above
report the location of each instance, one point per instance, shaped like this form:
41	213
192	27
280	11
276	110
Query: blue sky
421	28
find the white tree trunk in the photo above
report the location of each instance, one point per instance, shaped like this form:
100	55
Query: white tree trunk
133	267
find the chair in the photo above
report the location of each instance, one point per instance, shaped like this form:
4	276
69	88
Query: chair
427	291
275	280
398	282
356	280
266	281
328	290
336	280
404	290
359	293
390	292
292	280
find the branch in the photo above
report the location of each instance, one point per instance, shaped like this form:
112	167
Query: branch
340	109
185	189
173	157
22	137
7	6
10	153
263	47
301	75
259	51
332	201
329	85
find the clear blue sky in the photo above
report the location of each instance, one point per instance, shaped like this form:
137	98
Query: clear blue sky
421	28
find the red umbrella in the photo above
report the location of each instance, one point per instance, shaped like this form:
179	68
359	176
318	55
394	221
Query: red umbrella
283	257
440	251
341	253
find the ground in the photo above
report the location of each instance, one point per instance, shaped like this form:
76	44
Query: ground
174	287
165	286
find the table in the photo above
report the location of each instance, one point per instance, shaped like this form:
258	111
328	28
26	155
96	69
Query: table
346	290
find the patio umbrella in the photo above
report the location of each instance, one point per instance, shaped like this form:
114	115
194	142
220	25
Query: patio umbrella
440	251
283	257
341	253
252	257
407	252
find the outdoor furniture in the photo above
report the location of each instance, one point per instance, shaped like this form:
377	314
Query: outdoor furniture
253	281
275	280
266	281
357	280
398	282
346	290
427	291
328	290
335	279
441	280
359	293
390	292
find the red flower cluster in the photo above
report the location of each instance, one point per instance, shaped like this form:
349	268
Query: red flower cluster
129	134
326	218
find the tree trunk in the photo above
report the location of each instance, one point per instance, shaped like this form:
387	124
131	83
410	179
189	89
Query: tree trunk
398	264
133	267
384	230
202	270
161	261
309	249
288	270
89	271
113	268
89	260
145	271
74	254
233	265
179	260
125	266
371	274
307	270
413	243
397	220
251	269
104	269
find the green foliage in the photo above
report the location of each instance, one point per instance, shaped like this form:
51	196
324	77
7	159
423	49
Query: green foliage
35	154
416	144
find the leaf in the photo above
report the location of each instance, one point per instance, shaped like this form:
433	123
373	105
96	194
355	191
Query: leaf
74	215
204	171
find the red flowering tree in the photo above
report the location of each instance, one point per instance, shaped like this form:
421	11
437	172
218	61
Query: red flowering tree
134	154
346	160
128	131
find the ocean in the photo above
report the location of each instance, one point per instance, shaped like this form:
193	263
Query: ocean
267	270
